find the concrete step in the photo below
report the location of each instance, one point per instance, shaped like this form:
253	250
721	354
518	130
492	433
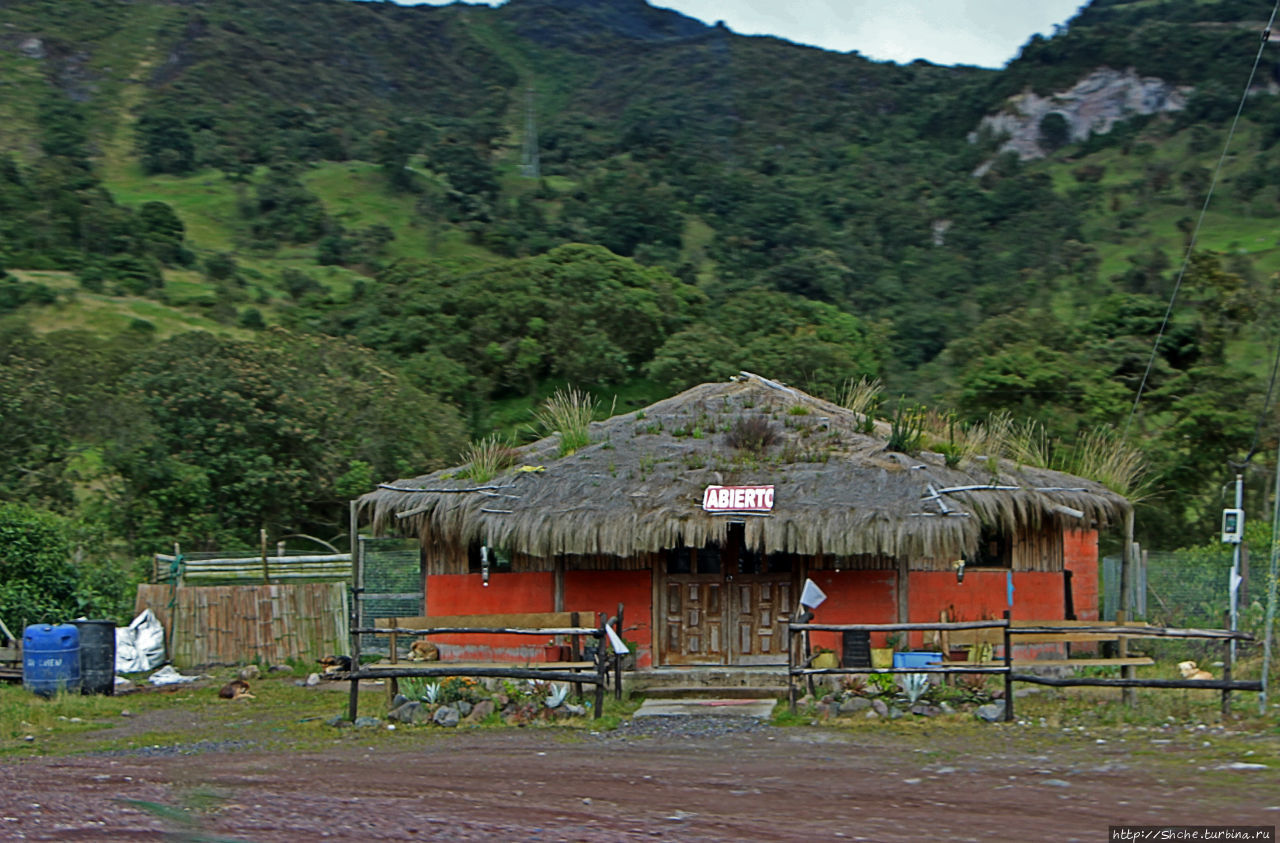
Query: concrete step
713	692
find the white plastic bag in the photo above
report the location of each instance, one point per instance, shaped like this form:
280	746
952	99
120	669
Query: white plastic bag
168	676
140	645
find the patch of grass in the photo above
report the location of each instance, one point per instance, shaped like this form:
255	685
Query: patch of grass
568	414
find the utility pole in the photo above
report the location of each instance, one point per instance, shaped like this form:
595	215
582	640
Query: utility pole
530	167
1233	584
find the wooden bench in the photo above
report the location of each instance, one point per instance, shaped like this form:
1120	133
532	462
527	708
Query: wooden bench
993	637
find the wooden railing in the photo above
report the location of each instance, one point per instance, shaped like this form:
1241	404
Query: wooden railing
1004	666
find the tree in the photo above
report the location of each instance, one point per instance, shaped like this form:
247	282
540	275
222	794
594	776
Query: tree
37	580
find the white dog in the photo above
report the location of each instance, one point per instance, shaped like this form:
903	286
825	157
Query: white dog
1190	671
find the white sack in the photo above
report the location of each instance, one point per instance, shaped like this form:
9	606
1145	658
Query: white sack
140	645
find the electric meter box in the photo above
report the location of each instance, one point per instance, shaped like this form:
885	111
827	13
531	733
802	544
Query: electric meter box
1232	526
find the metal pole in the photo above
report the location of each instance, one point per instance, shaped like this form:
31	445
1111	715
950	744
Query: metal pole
1271	592
1233	583
357	578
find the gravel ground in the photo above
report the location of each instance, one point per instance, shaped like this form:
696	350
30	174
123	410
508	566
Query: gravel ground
680	778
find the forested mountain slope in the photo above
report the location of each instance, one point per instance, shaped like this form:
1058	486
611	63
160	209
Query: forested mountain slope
337	193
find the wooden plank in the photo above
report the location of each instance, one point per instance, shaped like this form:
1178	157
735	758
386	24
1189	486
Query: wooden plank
525	620
1116	662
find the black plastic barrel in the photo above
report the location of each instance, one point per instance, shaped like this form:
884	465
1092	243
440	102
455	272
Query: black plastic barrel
97	656
51	659
856	648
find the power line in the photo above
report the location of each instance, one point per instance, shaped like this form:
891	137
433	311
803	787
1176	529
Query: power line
1195	234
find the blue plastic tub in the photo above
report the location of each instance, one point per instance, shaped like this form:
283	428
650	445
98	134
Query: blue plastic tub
51	659
918	658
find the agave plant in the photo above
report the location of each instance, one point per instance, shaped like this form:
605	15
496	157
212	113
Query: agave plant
914	685
431	692
559	693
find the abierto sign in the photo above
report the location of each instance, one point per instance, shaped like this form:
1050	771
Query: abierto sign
738	499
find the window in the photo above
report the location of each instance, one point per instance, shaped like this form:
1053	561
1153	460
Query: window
499	559
687	560
994	550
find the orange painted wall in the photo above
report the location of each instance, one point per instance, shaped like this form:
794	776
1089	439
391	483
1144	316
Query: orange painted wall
602	591
466	594
854	597
1080	555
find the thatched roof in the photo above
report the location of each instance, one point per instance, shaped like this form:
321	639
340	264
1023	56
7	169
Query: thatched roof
638	487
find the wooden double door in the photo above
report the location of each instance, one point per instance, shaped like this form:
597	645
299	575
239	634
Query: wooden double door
724	608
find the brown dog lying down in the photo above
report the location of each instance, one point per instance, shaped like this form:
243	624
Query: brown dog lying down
236	689
1190	671
335	664
423	650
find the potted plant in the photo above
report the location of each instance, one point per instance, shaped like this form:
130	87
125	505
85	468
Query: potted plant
883	656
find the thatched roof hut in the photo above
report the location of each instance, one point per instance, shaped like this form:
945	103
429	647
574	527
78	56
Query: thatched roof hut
638	487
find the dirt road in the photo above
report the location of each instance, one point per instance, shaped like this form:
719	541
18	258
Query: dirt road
686	780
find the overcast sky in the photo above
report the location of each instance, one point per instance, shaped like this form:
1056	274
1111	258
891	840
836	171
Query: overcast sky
987	33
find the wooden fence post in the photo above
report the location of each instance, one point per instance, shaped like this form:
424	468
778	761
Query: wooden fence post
1228	648
791	663
1008	670
601	668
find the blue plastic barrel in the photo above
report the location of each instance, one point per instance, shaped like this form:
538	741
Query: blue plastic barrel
51	659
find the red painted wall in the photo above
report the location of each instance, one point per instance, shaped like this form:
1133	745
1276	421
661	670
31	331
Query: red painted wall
854	597
602	591
1080	555
983	595
466	594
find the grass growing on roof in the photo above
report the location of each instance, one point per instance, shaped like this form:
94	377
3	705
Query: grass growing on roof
568	414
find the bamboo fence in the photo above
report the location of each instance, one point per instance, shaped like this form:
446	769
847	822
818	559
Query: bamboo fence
272	624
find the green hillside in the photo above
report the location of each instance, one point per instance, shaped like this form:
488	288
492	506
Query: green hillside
332	194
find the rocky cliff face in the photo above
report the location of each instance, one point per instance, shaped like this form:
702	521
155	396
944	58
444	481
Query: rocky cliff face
1094	104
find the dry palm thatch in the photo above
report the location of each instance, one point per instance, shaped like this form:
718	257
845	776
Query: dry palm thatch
637	487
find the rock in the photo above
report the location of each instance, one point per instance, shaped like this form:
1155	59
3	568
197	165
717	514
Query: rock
991	712
1025	692
446	715
279	668
1093	105
123	686
32	48
924	710
338	722
398	700
249	672
854	705
1057	783
410	711
872	715
895	712
879	707
946	708
312	680
480	711
367	723
464	707
575	710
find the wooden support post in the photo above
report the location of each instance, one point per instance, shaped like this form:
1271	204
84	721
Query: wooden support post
393	683
266	572
617	689
601	674
1127	695
791	663
1228	650
1008	669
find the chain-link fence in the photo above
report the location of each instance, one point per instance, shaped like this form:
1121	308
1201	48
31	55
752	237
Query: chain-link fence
1188	588
391	582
